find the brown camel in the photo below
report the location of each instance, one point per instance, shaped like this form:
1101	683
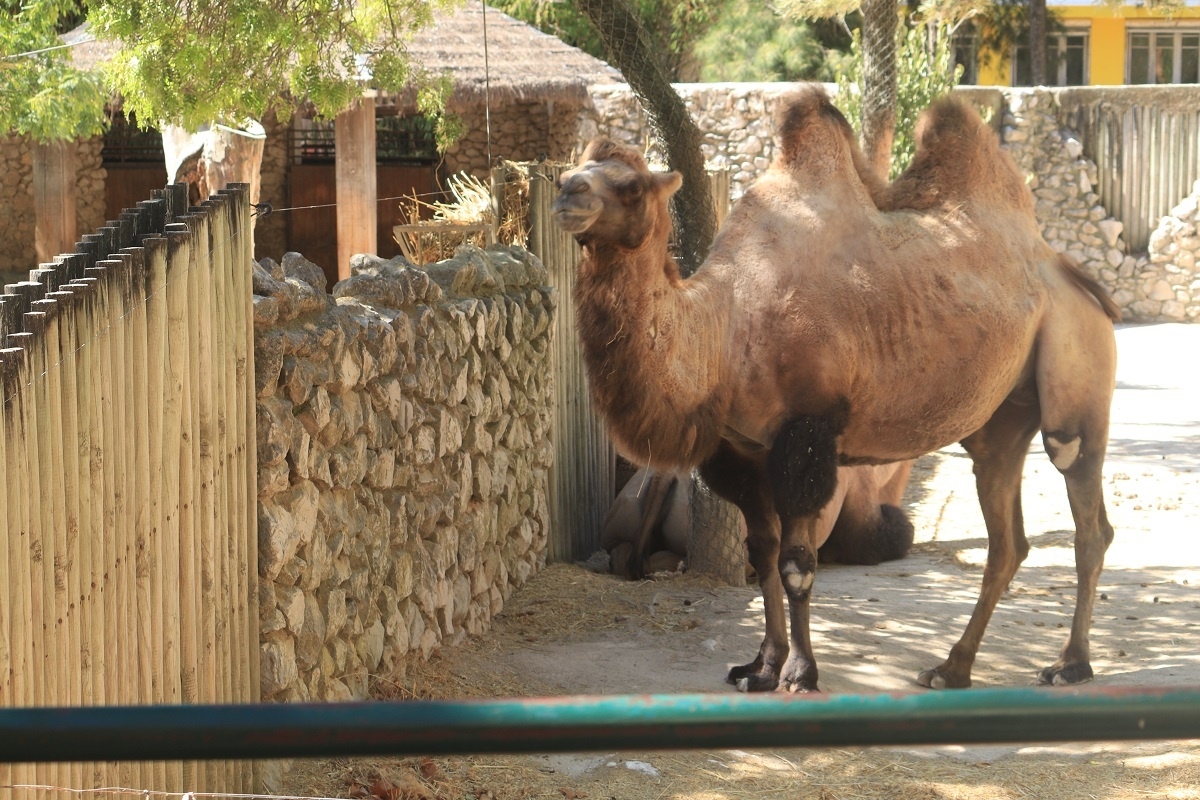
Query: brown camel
647	526
841	321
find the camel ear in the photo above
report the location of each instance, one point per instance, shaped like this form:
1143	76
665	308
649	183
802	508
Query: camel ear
668	182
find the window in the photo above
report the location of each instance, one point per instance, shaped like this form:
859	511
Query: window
398	140
966	54
1066	60
1163	57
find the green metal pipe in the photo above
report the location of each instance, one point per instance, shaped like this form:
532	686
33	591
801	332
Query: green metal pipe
579	724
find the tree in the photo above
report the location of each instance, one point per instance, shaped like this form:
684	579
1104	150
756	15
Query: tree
632	50
193	63
878	75
41	94
926	71
671	26
1037	42
757	43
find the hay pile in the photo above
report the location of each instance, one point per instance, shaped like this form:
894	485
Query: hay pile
435	230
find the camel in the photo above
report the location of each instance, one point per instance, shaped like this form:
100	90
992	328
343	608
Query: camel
646	528
839	320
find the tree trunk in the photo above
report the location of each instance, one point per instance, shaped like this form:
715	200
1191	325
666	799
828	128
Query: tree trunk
1037	42
879	81
628	42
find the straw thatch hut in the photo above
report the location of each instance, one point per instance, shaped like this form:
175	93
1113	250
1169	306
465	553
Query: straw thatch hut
518	92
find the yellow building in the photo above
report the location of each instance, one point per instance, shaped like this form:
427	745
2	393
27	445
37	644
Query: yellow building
1104	45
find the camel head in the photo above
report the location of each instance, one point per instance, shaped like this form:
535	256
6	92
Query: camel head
612	197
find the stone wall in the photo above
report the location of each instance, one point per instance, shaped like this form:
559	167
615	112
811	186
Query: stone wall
1159	285
1174	255
521	131
18	248
737	121
404	448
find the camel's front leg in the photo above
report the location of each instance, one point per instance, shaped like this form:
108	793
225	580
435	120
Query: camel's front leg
743	482
798	572
803	472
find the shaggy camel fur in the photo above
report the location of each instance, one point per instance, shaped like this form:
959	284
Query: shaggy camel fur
648	524
841	321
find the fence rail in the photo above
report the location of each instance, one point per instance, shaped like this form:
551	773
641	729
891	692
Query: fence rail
1146	146
581	724
127	460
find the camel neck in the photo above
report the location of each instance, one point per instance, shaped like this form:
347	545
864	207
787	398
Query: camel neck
654	347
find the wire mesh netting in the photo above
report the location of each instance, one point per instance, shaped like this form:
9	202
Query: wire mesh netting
716	540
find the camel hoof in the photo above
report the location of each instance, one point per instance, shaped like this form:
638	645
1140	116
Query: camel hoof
1065	675
750	679
936	679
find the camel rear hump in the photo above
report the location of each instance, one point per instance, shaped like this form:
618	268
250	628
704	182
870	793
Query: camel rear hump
958	158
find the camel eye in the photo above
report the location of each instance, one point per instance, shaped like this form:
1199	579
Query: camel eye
630	191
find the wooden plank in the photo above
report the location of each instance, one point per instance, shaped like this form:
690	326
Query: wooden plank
249	479
225	619
199	286
354	154
182	258
104	481
8	587
67	544
16	375
54	198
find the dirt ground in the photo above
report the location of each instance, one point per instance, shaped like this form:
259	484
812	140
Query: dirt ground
574	632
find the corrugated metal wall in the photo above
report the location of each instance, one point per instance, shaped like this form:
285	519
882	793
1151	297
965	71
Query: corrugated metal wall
1146	145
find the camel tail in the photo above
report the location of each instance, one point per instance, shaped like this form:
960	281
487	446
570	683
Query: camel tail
1091	287
887	539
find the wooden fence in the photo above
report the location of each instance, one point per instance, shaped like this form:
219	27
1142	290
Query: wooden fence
128	569
582	480
1146	145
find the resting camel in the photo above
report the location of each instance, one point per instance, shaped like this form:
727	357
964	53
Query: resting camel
840	321
646	528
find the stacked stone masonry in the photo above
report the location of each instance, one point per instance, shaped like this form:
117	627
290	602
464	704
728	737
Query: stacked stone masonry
404	448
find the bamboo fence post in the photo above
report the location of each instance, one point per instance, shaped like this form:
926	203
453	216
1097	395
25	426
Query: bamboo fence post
66	489
122	492
198	254
227	620
16	397
179	467
104	483
91	489
41	559
164	553
6	656
243	304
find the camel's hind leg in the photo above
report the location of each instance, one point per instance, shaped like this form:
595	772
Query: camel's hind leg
1076	375
998	452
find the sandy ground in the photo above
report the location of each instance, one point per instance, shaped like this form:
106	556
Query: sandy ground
874	628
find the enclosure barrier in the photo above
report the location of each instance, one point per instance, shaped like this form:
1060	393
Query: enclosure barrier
578	724
128	562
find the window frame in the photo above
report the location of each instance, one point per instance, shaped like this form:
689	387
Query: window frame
1056	44
1177	32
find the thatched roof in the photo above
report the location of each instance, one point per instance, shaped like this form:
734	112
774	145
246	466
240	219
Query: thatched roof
522	62
88	53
